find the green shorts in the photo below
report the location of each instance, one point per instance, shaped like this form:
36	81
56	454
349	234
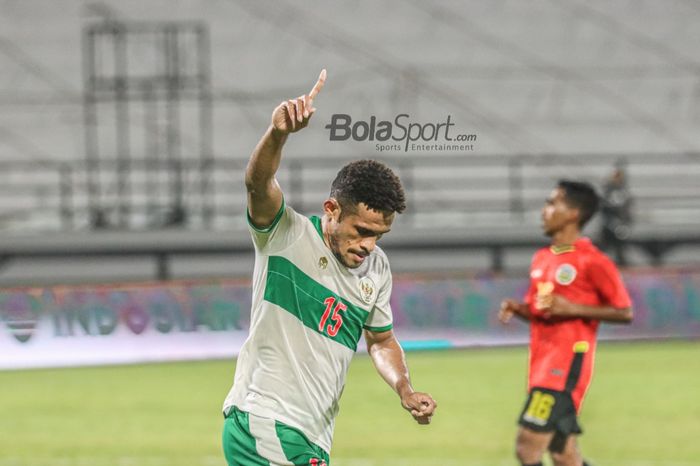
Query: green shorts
250	440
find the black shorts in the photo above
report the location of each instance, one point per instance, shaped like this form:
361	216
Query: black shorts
548	410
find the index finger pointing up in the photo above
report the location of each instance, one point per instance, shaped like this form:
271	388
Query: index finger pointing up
319	85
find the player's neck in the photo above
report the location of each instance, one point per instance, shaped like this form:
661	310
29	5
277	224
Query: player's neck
324	228
566	236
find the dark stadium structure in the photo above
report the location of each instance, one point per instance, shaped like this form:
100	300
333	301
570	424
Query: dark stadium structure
125	128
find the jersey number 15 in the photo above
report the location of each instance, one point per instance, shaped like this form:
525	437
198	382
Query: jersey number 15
332	330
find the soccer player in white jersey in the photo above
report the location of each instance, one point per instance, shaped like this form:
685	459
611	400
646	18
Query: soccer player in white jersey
319	284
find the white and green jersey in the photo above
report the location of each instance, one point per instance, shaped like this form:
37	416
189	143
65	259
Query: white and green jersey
308	312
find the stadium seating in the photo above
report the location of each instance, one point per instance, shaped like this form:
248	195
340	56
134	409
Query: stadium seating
539	111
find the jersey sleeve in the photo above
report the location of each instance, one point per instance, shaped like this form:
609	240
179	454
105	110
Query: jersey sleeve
608	283
282	232
380	318
529	296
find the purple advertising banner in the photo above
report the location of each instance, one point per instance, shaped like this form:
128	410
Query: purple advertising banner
462	312
124	323
88	325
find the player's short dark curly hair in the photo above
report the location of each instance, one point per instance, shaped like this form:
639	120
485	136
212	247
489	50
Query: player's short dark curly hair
582	196
369	182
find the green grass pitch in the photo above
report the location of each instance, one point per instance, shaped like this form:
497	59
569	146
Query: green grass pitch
643	409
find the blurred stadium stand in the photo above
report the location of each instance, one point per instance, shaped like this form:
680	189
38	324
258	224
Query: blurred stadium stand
552	90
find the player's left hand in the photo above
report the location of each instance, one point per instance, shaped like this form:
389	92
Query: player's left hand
420	405
509	307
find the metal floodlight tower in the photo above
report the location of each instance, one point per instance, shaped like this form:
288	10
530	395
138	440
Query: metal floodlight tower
148	123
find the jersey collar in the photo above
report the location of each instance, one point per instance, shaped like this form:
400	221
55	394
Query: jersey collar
316	221
580	243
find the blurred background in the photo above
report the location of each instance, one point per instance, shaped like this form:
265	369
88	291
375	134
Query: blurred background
125	128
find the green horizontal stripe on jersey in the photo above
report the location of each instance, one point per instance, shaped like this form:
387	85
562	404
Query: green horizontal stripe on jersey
302	296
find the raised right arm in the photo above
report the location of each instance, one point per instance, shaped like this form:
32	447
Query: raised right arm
264	192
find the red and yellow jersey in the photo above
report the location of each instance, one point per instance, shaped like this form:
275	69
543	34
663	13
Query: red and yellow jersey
562	351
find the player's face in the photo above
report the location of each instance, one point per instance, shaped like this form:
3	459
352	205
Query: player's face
556	213
352	236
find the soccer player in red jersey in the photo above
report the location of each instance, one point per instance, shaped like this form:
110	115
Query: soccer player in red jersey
573	287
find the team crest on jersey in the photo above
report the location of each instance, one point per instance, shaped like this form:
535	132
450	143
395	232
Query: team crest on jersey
323	262
565	274
367	289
